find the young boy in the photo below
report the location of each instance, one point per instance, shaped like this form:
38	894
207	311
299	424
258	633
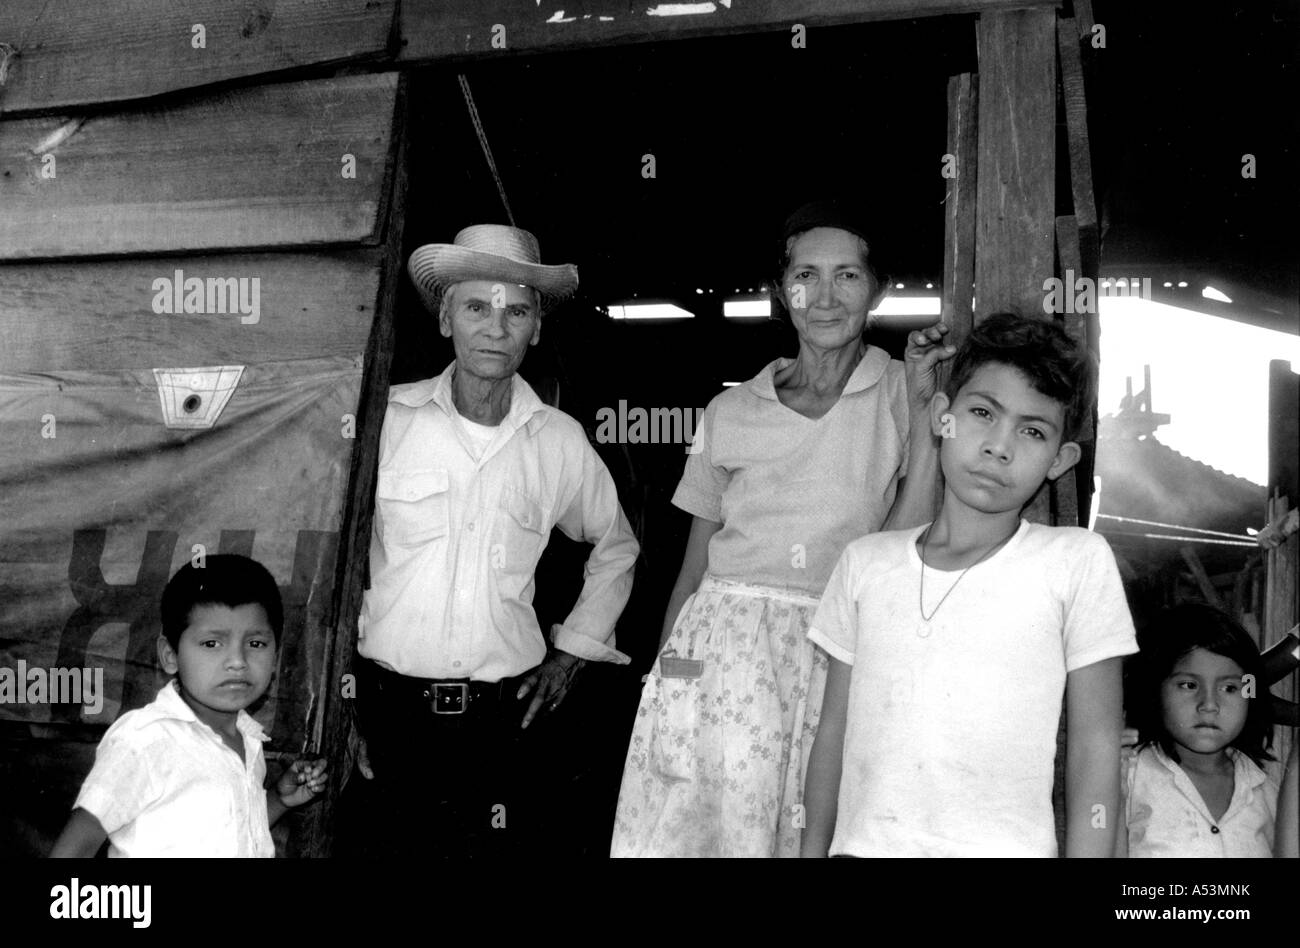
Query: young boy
184	775
951	644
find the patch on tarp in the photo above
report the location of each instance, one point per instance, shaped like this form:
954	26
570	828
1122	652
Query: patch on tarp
100	503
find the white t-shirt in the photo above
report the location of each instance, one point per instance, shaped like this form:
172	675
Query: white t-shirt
480	435
164	784
1166	815
791	492
951	731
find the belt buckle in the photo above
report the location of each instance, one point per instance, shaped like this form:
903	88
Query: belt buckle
450	698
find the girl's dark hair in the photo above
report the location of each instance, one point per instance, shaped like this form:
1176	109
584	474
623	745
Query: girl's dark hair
225	579
1177	631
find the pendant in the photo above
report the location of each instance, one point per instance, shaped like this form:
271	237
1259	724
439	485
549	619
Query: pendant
923	630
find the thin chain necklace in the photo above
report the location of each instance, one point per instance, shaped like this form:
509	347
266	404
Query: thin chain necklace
920	602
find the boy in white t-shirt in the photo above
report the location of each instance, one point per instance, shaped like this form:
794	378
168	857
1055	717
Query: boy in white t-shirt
185	775
952	644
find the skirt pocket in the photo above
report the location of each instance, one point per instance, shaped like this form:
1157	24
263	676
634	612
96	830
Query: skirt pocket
675	701
672	739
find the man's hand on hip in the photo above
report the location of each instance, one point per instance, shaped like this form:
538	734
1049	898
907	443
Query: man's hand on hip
548	683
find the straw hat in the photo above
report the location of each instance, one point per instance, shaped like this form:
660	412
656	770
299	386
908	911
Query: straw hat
489	252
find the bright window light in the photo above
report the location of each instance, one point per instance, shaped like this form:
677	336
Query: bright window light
1184	348
649	311
743	309
909	306
1210	293
730	384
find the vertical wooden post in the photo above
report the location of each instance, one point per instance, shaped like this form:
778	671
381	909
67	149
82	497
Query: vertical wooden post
1281	606
1280	611
1079	245
332	722
1016	188
959	220
1016	211
959	209
1080	155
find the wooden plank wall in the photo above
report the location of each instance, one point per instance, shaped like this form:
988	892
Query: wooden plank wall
441	29
99	315
255	167
91	54
78	54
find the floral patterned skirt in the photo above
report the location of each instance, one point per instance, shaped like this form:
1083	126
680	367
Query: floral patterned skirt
721	740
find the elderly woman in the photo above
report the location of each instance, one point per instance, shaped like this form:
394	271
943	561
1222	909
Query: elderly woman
788	468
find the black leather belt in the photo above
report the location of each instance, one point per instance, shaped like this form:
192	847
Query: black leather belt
446	695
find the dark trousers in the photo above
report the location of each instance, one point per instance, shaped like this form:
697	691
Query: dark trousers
453	786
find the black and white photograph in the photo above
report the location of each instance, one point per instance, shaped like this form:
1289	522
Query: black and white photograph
526	434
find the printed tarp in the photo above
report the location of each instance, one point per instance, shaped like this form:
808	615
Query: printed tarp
100	504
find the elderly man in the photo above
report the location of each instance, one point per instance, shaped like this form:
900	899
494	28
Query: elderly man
474	471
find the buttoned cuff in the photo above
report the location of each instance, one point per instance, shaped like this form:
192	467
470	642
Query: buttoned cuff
584	646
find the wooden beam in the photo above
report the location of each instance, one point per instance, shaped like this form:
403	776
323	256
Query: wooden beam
259	167
1067	254
959	208
1283	428
1015	204
1084	18
333	721
72	54
99	315
1080	155
1208	592
1014	246
1072	494
435	30
1281	609
959	221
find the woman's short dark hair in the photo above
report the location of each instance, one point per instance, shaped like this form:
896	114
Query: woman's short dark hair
1177	631
776	287
224	579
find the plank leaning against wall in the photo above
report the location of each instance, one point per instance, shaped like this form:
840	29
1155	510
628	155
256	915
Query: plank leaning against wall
232	234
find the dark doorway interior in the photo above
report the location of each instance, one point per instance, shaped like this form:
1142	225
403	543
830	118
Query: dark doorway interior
742	130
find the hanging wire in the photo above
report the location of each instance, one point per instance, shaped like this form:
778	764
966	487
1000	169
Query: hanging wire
487	149
1175	526
1166	536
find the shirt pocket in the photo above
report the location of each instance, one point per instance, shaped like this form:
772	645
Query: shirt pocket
521	535
412	506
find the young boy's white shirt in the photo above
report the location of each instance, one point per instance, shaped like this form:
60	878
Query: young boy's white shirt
164	784
951	725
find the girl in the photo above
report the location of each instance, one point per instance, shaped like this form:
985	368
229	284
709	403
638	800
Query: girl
1196	787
